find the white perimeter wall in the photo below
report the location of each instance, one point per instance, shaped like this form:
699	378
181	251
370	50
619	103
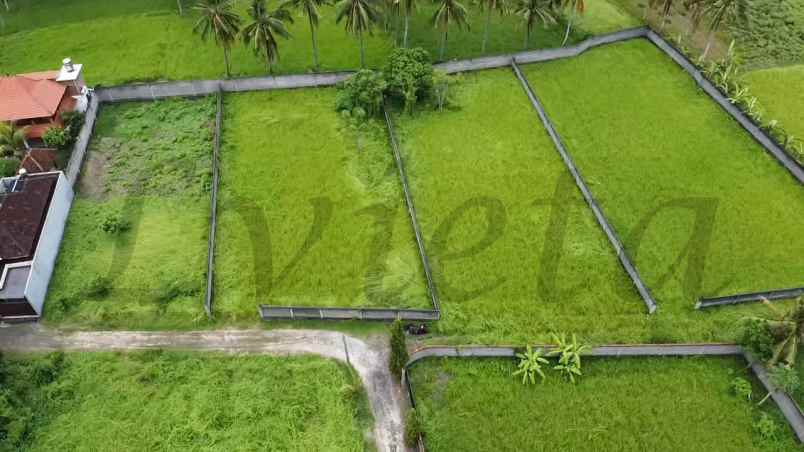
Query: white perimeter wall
49	243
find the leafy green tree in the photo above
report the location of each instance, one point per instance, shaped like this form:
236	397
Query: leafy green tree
448	11
219	20
360	15
575	7
409	75
530	365
569	356
311	9
12	140
489	6
531	12
399	350
260	35
363	91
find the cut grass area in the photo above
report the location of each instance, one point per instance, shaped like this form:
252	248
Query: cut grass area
622	404
514	249
148	168
779	91
144	40
184	401
702	208
311	212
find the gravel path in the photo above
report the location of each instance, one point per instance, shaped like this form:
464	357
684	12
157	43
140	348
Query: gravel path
369	357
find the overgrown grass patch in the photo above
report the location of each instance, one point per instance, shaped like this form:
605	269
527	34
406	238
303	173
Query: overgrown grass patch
183	401
779	91
144	40
311	210
623	404
701	207
134	250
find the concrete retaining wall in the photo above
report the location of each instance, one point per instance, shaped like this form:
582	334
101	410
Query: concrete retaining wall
82	142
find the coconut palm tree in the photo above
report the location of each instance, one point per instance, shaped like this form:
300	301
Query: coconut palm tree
360	16
409	7
448	11
787	329
490	6
718	11
533	11
309	8
574	7
12	140
181	9
219	20
260	35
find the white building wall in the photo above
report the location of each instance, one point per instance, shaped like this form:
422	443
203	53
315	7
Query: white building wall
49	243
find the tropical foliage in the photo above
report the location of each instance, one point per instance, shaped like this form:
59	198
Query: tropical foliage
359	16
219	21
260	35
448	12
530	365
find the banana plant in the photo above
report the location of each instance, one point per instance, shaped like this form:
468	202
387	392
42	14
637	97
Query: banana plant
530	365
787	329
569	356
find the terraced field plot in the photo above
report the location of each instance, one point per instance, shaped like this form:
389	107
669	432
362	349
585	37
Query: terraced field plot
182	401
312	212
623	404
702	209
135	246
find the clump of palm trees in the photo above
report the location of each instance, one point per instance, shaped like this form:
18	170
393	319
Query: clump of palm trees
713	12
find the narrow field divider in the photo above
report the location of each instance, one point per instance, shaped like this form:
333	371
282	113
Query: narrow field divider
611	234
213	207
769	295
786	404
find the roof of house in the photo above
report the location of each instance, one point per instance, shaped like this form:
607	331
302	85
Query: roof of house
22	215
42	75
28	97
39	160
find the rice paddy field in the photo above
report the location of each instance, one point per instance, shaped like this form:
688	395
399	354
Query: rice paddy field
622	404
779	91
135	245
311	210
145	40
183	401
701	208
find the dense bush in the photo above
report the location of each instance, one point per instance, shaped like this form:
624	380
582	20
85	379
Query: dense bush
409	75
113	222
756	337
399	351
8	166
73	121
362	94
56	137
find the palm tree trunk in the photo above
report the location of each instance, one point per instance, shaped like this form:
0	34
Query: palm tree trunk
5	2
315	44
486	31
527	38
362	51
569	26
178	2
664	22
268	61
443	45
226	60
407	24
708	44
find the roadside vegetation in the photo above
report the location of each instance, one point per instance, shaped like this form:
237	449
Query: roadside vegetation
134	250
159	400
311	209
689	191
623	404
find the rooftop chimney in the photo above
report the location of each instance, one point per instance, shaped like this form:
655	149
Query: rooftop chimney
68	65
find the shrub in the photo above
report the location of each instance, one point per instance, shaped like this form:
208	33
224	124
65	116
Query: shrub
8	166
56	137
766	427
113	222
399	350
409	75
530	365
98	286
73	121
413	428
364	90
742	388
757	338
569	356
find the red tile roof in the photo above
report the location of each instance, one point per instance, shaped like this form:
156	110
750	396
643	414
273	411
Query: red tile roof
22	215
28	98
39	160
43	75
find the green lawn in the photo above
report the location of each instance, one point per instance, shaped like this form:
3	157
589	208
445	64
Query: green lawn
624	404
779	91
701	207
183	401
148	164
312	213
142	40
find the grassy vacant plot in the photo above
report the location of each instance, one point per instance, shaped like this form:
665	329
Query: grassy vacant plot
134	250
183	401
515	250
659	404
312	212
779	91
147	40
701	207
